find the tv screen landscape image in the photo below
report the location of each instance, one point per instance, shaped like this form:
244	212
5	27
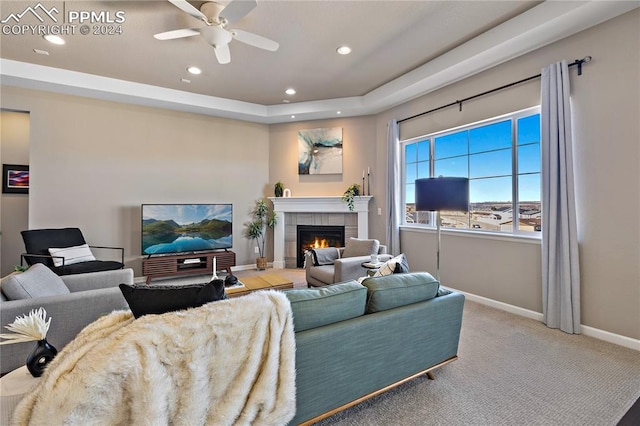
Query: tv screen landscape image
186	228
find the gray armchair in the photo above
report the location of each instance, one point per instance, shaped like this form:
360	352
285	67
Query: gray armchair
345	265
80	300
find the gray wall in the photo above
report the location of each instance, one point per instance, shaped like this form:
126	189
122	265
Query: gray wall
14	208
607	138
94	162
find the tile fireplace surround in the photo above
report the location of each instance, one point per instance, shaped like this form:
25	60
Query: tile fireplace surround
293	211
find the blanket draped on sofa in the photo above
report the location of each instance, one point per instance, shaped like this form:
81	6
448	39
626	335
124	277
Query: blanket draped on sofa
229	362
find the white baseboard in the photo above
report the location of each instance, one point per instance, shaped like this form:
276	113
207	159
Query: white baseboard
596	333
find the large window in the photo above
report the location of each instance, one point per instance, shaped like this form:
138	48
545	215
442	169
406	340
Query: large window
501	158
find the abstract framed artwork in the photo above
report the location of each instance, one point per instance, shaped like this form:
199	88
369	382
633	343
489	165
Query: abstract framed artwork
320	151
15	179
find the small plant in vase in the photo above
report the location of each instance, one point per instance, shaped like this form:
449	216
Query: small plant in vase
279	188
352	191
30	328
257	228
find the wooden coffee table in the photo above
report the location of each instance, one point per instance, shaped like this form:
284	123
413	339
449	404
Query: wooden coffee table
259	282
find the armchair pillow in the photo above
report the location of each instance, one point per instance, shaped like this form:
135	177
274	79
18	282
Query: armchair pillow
37	281
144	300
71	255
356	247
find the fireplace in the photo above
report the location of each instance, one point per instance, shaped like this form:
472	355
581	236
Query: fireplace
317	236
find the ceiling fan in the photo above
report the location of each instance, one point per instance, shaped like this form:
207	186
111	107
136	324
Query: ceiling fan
217	17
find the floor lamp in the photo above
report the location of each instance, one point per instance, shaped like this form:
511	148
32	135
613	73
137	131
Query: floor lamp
442	193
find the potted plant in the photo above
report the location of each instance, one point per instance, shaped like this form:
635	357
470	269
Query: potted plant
279	188
352	191
262	219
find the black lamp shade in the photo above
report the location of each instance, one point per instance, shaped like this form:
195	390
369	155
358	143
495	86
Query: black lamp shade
442	193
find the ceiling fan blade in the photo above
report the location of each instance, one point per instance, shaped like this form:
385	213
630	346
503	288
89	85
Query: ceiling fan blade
187	8
223	55
255	40
237	9
170	35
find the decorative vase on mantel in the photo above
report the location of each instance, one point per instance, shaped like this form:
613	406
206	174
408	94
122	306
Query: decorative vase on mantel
40	357
261	263
279	189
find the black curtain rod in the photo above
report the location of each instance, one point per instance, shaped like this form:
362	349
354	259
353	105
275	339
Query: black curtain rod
577	62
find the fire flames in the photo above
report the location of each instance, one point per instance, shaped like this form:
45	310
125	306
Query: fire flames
318	243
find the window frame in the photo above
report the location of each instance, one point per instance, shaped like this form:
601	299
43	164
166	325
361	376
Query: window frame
515	173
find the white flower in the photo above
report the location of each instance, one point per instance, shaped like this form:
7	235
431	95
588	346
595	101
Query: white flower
28	328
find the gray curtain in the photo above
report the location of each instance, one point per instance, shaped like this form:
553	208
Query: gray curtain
560	262
393	188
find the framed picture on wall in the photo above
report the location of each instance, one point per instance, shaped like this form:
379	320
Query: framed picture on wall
15	179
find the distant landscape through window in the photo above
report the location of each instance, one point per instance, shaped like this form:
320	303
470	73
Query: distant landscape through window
501	158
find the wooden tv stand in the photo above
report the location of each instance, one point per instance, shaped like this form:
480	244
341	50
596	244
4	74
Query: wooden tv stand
187	264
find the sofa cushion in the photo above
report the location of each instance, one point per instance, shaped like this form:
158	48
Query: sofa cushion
315	307
71	255
37	281
158	299
356	247
392	291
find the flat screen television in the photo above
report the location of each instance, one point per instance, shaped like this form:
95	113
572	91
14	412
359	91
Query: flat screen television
186	228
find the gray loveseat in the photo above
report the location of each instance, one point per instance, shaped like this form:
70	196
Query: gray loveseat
353	340
72	302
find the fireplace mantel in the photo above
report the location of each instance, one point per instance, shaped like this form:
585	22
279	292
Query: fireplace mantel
312	204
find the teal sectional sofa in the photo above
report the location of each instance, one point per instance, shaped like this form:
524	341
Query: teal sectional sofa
354	340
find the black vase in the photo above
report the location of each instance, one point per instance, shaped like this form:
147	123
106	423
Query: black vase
41	355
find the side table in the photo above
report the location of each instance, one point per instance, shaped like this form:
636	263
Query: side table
372	267
13	387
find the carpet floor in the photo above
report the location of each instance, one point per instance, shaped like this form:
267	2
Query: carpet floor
511	371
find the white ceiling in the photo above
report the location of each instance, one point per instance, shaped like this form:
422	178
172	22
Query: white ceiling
401	50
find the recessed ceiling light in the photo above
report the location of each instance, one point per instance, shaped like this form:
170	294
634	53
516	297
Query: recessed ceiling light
343	50
290	91
285	101
293	116
41	52
53	39
185	80
338	112
194	70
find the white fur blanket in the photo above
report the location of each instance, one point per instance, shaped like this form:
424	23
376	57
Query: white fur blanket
229	362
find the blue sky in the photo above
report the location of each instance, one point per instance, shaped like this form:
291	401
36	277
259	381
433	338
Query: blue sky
484	155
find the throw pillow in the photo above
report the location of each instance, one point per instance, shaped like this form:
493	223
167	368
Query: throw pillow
75	254
402	267
387	268
356	247
37	281
158	299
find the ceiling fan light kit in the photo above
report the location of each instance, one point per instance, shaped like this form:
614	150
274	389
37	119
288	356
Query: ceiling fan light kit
217	17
